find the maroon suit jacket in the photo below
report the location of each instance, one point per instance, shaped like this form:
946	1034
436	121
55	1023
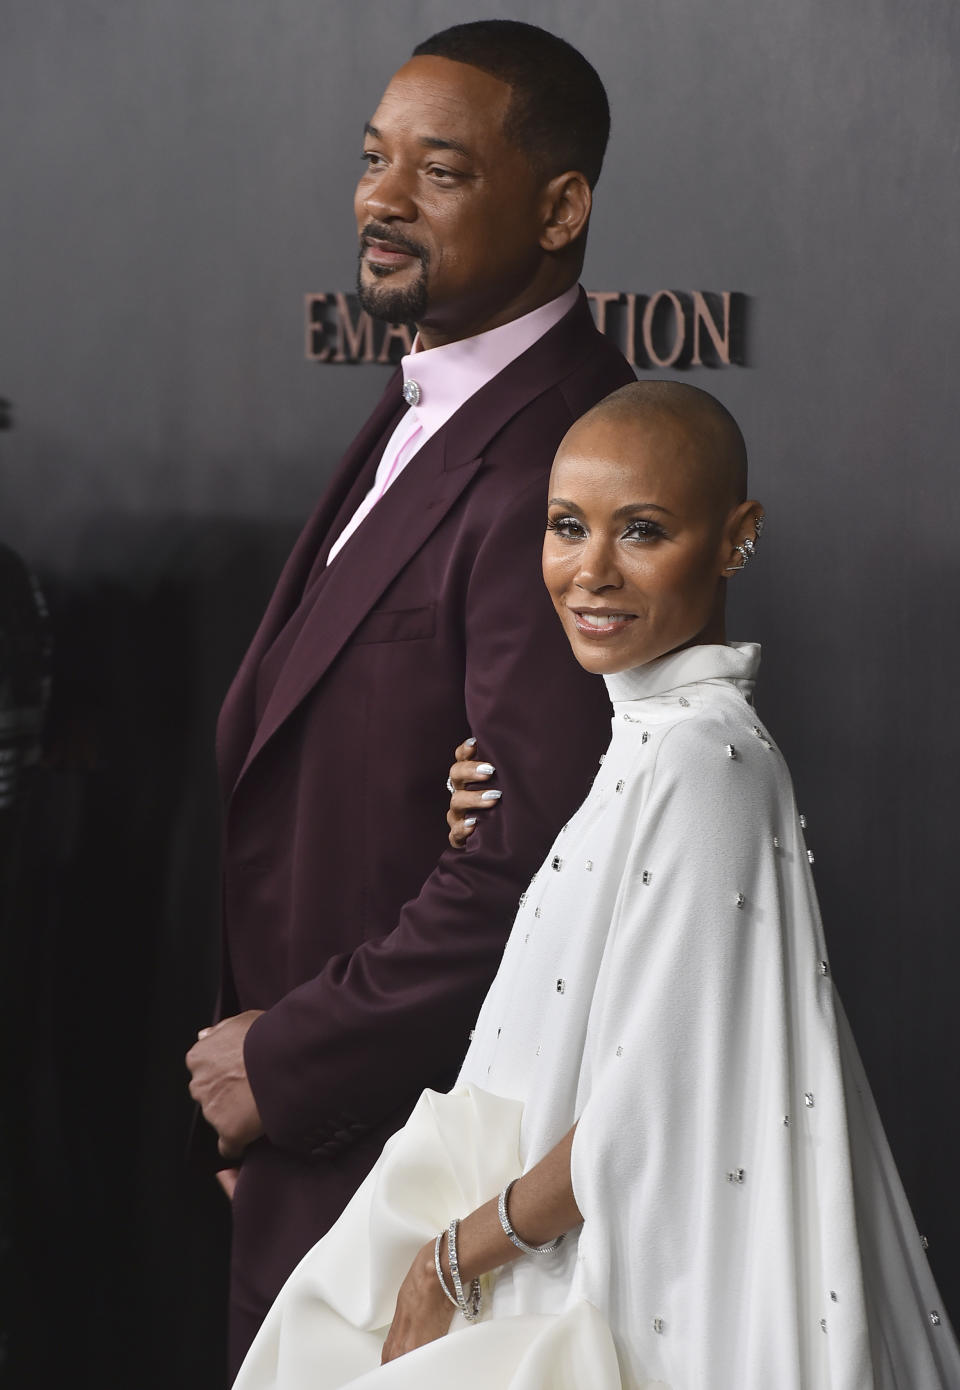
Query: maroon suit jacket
369	943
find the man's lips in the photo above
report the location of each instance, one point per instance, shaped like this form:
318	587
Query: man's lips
386	253
601	622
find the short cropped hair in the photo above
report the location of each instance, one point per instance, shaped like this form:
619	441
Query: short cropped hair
559	114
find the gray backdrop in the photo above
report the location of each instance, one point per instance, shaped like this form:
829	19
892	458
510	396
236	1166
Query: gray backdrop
173	178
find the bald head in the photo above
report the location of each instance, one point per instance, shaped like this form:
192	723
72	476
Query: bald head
715	448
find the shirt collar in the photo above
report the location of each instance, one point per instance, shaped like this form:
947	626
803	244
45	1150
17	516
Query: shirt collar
449	375
737	662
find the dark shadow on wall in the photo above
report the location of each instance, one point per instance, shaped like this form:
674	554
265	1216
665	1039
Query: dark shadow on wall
118	1267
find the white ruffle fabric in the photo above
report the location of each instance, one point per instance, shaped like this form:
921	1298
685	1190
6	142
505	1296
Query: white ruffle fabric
328	1325
666	986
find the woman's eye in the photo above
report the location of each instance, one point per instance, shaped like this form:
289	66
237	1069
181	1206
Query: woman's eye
643	529
567	526
372	159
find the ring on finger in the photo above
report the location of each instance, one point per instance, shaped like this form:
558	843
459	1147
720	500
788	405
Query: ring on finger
449	786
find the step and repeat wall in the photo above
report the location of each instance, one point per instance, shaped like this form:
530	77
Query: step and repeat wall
778	221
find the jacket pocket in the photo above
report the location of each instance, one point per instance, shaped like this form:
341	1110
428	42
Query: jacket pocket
397	625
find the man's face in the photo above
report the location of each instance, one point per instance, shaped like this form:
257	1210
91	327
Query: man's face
449	212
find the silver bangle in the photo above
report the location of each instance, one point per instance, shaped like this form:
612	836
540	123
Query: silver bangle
511	1234
436	1261
471	1310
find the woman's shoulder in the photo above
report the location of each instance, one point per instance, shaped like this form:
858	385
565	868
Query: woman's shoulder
718	743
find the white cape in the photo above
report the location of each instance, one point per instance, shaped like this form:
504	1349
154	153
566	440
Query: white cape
666	984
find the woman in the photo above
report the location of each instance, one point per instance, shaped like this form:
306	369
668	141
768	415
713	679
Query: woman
661	1078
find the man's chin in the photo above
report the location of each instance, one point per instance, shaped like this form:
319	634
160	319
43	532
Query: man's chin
389	301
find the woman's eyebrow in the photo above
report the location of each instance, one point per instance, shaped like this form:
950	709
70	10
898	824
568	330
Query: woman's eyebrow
621	512
632	507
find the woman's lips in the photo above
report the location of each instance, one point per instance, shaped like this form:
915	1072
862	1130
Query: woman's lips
601	622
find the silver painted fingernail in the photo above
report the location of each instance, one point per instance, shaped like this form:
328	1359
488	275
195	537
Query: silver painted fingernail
470	820
470	742
490	795
485	769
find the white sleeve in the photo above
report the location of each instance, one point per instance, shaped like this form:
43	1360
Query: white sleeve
711	1160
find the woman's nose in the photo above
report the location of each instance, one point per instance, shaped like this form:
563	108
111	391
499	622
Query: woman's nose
598	569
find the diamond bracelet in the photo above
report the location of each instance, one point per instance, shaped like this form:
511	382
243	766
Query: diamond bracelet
511	1234
471	1309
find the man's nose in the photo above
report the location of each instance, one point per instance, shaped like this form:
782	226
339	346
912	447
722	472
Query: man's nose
389	196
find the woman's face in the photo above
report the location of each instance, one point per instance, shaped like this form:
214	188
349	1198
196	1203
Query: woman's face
641	524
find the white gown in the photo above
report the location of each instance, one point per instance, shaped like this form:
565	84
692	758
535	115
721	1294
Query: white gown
666	985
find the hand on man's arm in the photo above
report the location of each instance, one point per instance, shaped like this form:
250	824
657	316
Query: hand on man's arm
219	1083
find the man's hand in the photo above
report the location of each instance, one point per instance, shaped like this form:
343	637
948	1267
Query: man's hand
219	1083
227	1178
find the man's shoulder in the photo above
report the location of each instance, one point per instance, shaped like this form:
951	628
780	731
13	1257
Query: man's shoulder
528	439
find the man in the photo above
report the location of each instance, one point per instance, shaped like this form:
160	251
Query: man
357	950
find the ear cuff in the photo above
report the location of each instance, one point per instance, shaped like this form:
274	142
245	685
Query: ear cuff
747	548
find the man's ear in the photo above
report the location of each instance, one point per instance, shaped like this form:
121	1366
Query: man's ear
567	201
741	535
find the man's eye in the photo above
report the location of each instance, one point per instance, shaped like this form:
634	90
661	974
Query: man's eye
439	171
566	526
372	159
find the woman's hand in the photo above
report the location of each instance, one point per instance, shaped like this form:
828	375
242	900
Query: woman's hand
466	805
423	1310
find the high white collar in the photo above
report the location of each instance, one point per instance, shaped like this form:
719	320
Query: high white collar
737	662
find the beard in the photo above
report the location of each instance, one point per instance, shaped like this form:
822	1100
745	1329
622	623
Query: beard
386	301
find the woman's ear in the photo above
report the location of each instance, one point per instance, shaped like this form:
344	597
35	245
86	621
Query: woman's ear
741	536
567	202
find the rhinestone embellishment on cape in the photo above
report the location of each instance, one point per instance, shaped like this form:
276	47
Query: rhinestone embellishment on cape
647	876
808	1099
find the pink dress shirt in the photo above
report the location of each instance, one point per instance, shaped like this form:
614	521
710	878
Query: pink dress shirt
446	377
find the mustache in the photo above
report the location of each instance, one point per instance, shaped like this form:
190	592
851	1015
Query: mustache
376	231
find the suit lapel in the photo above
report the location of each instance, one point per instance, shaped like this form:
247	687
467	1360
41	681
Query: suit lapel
354	475
403	520
369	562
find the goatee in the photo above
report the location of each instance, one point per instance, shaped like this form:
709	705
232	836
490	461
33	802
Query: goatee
383	300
